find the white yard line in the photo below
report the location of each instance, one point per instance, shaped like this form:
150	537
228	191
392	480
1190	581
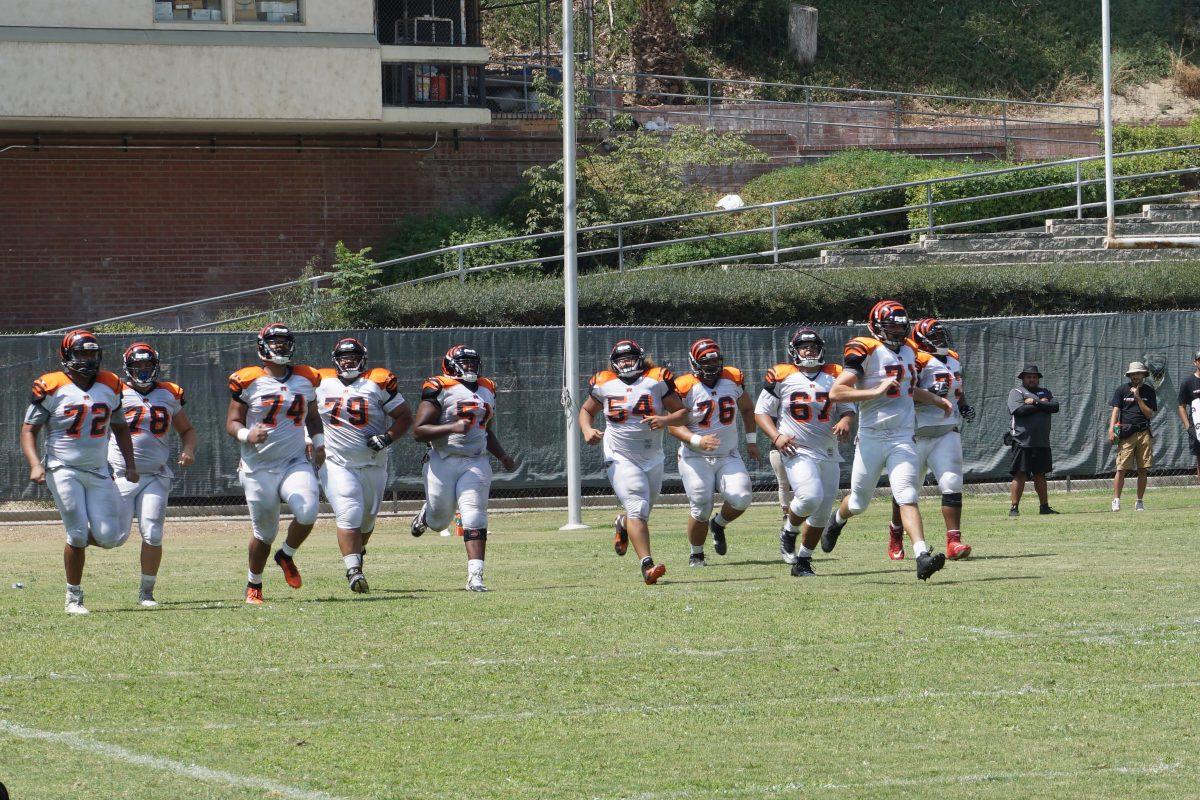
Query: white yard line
193	771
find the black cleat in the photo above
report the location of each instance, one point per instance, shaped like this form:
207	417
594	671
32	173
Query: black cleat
787	546
802	568
697	560
718	534
929	563
831	533
418	525
1046	510
358	581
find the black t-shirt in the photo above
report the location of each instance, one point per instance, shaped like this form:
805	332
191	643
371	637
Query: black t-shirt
1131	412
1189	390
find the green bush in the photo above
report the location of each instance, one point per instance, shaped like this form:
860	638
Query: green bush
484	229
715	296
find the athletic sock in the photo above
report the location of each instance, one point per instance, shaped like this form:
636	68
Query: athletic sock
720	520
804	552
288	550
475	566
789	527
148	583
838	518
697	548
353	561
254	578
647	562
894	528
75	590
920	549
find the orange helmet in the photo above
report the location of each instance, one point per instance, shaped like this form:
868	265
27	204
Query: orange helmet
932	336
76	353
705	359
888	323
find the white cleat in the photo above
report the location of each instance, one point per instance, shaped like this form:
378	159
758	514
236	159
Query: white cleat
76	607
147	601
475	584
1116	504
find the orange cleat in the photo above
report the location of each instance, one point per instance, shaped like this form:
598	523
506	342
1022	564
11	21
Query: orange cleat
895	543
254	595
655	572
955	549
621	536
291	573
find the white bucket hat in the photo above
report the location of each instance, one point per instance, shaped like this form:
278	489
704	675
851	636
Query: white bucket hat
1136	366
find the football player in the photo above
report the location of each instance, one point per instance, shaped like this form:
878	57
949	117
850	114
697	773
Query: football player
880	375
714	395
152	409
78	405
796	413
363	413
939	444
638	401
455	418
272	408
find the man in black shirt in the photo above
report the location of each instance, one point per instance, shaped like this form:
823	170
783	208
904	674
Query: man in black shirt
1031	406
1189	409
1133	404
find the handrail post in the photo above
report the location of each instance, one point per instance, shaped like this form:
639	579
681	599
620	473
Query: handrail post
612	103
896	119
929	208
462	275
1004	126
1078	190
807	115
620	250
178	320
708	84
774	236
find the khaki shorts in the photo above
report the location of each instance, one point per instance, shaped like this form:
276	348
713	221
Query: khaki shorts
1136	452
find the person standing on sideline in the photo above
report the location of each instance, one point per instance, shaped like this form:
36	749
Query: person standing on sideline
1031	405
1189	409
1133	405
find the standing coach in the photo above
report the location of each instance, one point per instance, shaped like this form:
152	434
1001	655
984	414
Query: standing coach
1030	405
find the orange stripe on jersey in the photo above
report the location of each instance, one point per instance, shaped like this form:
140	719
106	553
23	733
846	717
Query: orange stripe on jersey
438	382
780	372
245	376
684	384
659	374
327	372
953	354
307	372
734	374
384	378
832	369
923	358
110	380
174	388
487	384
862	346
602	377
48	384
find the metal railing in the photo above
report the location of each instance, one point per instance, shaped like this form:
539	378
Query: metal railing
624	246
884	117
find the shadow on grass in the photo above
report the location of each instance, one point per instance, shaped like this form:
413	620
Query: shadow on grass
723	580
936	582
1014	555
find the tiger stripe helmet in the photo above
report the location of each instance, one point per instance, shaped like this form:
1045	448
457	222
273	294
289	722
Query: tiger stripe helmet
888	323
462	363
705	359
141	365
276	343
345	350
932	336
804	338
75	353
628	359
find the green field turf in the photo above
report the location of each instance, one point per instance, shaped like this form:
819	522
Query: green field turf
1062	661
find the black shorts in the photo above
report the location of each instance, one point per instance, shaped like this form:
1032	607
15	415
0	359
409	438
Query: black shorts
1032	461
1195	446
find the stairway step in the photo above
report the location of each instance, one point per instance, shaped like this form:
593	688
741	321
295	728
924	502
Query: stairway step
1096	227
870	258
1178	212
984	244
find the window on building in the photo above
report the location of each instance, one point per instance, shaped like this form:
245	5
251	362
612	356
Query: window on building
266	11
187	11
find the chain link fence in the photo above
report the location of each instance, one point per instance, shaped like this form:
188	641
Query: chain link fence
1083	359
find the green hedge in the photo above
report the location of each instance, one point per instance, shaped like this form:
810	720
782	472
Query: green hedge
716	296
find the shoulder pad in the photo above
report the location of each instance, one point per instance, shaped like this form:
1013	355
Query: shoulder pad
377	375
307	372
734	374
602	377
922	358
437	383
861	346
780	372
48	384
953	354
326	372
684	384
245	376
660	374
832	369
110	380
174	388
488	384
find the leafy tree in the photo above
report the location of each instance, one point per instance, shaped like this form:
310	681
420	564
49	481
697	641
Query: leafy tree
354	276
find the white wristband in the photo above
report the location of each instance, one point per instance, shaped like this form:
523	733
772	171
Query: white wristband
318	440
243	435
695	440
752	438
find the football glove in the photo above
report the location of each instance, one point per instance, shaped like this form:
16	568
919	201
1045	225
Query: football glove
967	411
380	441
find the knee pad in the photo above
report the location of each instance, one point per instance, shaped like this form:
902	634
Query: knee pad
107	540
637	508
701	511
152	534
739	500
952	500
474	534
304	508
858	504
906	495
803	506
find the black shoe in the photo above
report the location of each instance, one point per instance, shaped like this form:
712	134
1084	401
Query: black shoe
418	526
1046	510
697	560
830	536
358	581
1014	512
787	546
802	568
929	563
718	534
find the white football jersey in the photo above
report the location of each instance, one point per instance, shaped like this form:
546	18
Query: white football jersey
625	405
799	403
941	375
712	410
149	416
875	362
281	405
76	420
354	412
459	401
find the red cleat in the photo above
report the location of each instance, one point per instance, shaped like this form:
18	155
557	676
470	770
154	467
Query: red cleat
291	573
654	573
254	595
895	543
955	549
620	536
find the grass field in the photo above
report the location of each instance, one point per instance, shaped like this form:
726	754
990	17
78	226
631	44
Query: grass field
1062	661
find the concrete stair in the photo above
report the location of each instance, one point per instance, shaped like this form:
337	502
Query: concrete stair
1059	241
